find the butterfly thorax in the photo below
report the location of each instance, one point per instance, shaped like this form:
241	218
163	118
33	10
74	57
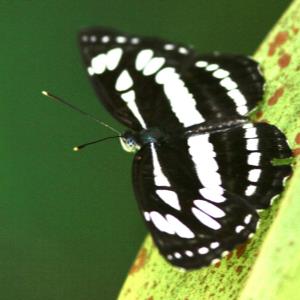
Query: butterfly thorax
133	141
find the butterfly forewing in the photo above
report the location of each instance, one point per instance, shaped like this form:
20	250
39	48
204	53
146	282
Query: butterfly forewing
147	82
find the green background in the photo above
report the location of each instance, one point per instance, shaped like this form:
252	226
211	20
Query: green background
69	225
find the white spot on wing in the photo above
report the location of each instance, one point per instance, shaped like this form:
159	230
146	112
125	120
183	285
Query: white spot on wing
105	39
189	253
147	216
212	67
181	100
121	39
93	38
113	58
201	64
215	261
250	190
129	98
153	65
203	250
169	197
251	133
177	255
135	40
124	81
169	47
254	159
239	228
214	195
254	175
242	110
220	74
179	228
183	50
225	253
209	208
84	38
214	245
142	59
159	177
90	71
252	144
98	64
203	154
237	97
248	125
228	83
205	219
161	223
247	219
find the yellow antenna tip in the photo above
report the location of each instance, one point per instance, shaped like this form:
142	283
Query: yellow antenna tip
45	93
75	149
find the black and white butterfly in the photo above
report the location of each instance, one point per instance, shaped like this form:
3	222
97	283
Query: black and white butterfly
202	169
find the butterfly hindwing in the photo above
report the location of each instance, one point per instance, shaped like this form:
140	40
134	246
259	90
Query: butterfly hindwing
148	82
187	193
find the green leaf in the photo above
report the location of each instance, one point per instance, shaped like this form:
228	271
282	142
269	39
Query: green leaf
268	266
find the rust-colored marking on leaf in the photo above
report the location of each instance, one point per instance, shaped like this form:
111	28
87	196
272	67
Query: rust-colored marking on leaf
284	60
274	98
279	40
139	262
297	138
240	250
259	114
229	255
296	151
239	269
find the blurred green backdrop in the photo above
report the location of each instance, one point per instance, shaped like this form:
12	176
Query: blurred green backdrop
69	225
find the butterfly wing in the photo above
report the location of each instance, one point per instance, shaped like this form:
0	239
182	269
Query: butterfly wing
199	195
147	82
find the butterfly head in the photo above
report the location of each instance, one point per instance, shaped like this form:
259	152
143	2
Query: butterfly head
129	142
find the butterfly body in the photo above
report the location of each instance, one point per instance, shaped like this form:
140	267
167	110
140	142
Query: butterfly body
201	168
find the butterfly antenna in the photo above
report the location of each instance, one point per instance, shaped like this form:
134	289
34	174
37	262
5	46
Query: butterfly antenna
49	95
77	148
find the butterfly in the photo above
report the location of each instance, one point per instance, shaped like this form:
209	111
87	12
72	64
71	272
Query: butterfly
202	170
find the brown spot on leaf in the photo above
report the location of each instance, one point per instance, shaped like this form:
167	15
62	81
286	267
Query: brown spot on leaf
139	261
240	250
295	30
284	60
239	269
150	298
296	151
297	138
218	264
272	49
229	255
274	98
279	40
259	114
